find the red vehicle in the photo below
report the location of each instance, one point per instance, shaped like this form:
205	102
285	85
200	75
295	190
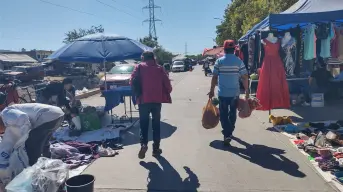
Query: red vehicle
118	76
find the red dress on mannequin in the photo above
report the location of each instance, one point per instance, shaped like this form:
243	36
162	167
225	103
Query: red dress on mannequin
272	90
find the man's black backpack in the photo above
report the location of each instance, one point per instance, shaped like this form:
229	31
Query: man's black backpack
136	83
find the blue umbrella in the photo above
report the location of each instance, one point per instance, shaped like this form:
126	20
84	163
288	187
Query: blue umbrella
99	48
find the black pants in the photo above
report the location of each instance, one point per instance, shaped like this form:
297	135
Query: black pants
144	114
38	141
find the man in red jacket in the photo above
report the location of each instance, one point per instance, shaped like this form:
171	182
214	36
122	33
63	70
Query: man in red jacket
156	89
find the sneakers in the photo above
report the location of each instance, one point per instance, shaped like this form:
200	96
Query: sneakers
141	153
155	152
305	104
227	141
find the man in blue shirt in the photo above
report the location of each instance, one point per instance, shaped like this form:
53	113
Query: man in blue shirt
228	70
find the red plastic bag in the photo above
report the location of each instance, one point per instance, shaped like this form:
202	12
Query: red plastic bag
246	106
244	110
210	115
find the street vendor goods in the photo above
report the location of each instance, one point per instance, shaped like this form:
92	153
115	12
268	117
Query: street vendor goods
272	90
210	115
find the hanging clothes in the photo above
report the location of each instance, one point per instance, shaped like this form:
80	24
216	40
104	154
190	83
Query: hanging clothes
251	51
325	44
340	43
309	42
289	54
272	90
334	44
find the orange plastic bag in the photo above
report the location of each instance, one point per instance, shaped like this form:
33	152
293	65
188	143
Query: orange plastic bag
210	115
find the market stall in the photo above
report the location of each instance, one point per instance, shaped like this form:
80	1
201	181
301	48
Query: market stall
92	133
304	34
320	142
284	50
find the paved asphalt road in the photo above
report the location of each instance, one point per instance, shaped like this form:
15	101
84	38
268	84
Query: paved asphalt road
194	159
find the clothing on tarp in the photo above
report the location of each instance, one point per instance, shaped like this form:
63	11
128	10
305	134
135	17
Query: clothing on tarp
272	90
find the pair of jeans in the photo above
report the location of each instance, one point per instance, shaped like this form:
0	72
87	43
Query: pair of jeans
144	118
38	141
228	114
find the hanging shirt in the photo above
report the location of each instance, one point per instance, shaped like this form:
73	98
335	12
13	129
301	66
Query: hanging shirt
334	44
309	42
325	44
340	43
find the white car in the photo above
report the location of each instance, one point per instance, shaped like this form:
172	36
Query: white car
178	66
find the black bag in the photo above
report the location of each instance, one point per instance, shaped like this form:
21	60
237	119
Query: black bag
136	84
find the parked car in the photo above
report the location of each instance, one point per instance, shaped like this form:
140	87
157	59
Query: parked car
178	66
118	76
26	73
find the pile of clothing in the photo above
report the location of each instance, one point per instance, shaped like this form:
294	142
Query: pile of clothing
76	154
324	144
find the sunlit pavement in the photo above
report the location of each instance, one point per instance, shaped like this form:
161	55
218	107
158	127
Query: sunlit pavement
194	159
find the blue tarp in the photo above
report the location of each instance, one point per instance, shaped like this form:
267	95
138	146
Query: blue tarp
301	13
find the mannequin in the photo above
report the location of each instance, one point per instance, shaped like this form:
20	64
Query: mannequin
286	39
288	44
270	38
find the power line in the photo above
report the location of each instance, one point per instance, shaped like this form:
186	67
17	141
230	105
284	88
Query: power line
124	6
152	19
72	9
116	8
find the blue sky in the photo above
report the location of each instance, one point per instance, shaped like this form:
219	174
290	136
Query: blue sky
33	24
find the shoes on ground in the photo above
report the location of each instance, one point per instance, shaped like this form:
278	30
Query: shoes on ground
227	141
142	151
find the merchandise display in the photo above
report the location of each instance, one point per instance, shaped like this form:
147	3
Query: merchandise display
321	142
288	45
272	90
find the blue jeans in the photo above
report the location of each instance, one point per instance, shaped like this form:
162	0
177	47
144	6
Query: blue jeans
144	119
228	114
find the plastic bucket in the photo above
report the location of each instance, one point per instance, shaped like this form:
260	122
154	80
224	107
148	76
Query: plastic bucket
80	183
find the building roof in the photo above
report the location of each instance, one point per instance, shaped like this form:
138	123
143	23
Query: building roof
16	58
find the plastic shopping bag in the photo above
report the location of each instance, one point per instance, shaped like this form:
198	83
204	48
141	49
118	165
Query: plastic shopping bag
22	182
210	115
50	175
244	109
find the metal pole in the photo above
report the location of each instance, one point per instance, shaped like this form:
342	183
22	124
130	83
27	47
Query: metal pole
104	63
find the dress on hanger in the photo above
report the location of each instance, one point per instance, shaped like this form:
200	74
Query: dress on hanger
272	90
325	44
288	60
309	42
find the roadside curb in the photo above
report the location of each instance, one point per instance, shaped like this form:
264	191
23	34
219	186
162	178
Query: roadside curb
88	94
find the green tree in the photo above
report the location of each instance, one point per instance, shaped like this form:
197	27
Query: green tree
71	36
241	15
162	55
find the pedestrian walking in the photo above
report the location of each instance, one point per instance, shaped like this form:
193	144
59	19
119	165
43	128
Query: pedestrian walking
155	89
228	71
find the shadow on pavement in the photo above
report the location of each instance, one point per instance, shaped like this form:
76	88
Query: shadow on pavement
331	111
266	157
166	178
131	136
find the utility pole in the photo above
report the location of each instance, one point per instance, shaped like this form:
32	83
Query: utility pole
152	19
186	49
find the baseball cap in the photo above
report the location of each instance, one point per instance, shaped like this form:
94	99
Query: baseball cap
229	44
